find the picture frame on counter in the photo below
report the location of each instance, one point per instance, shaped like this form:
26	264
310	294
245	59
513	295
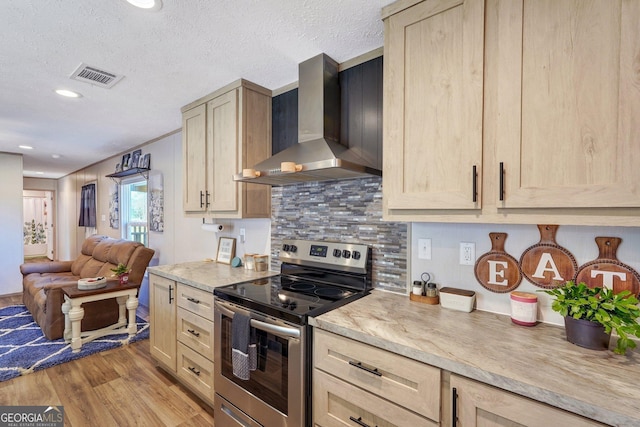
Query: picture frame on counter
226	250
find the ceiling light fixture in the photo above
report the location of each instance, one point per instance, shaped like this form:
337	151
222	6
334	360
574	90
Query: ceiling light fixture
68	93
25	147
55	156
147	4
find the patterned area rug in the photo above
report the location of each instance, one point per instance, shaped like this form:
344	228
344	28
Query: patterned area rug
24	349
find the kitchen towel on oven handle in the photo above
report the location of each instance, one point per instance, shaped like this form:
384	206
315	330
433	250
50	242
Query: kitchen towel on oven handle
240	335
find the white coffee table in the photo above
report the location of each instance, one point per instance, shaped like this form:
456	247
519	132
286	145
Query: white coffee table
126	295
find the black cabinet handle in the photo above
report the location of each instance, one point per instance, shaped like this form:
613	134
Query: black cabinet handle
474	196
359	421
193	300
201	199
501	181
194	370
364	368
207	200
194	333
170	294
454	407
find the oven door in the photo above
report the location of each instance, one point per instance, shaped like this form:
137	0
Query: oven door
274	394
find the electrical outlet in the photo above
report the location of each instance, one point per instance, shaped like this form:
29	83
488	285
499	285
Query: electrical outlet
424	248
242	235
467	253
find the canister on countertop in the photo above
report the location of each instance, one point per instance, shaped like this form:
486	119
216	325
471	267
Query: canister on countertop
431	290
524	308
248	261
457	299
417	287
261	262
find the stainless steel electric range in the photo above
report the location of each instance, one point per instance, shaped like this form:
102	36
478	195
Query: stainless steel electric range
315	277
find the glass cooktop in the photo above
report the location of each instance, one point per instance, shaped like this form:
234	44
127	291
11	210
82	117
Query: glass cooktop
288	298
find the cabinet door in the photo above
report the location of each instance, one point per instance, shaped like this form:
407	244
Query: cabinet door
565	113
480	405
162	314
433	83
222	117
194	155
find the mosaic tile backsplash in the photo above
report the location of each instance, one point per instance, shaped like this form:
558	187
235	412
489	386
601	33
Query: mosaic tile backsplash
346	211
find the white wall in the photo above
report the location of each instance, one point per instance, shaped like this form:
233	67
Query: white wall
445	269
11	250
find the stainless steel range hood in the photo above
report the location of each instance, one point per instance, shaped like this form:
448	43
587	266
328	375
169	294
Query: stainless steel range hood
318	156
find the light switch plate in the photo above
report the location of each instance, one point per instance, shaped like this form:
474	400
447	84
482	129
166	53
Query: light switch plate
424	248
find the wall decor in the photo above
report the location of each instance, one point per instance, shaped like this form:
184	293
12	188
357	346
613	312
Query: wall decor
607	271
145	162
125	161
226	250
114	207
135	159
496	270
547	264
156	202
118	167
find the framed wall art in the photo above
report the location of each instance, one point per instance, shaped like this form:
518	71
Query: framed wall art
226	250
135	159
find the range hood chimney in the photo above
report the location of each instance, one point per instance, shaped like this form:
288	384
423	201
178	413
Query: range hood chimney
318	156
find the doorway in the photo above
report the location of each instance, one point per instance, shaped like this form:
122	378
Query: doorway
38	235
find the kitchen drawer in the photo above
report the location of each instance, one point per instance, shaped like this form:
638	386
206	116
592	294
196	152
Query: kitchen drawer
196	371
338	403
195	300
196	332
404	381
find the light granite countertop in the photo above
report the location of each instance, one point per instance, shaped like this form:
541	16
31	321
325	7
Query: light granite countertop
207	275
535	362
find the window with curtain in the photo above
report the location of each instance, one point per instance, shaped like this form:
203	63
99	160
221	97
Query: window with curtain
88	206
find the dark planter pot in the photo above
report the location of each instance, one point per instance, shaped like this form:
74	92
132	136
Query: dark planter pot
586	333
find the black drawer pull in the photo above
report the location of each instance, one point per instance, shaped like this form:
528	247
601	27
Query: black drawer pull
364	368
359	421
194	370
193	300
194	333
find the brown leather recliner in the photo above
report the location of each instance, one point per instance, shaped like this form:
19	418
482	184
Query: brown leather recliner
42	281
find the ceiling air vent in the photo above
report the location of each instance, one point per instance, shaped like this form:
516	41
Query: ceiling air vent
95	76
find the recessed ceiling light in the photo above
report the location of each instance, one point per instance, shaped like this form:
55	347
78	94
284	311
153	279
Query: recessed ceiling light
25	147
39	173
147	4
68	93
55	156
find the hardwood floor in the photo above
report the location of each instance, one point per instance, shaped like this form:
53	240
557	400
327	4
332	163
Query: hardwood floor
119	387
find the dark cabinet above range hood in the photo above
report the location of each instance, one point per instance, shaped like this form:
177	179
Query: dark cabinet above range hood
318	155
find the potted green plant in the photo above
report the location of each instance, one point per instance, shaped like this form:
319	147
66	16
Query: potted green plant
591	314
122	272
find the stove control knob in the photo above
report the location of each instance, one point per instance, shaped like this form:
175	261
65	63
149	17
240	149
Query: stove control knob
293	248
286	247
346	254
355	255
337	253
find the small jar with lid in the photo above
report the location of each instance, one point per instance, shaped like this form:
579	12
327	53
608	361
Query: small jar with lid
417	287
261	262
431	290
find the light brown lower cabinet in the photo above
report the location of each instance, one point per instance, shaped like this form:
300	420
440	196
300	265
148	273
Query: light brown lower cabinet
481	405
358	384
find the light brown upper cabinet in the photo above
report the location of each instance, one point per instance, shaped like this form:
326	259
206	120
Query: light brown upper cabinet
223	133
559	111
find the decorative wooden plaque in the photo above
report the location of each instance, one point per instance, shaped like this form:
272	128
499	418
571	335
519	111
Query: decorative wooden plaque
547	264
496	270
606	271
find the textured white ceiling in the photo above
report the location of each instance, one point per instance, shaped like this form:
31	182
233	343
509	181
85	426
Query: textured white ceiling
169	58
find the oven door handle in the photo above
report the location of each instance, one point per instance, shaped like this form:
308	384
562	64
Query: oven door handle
278	330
